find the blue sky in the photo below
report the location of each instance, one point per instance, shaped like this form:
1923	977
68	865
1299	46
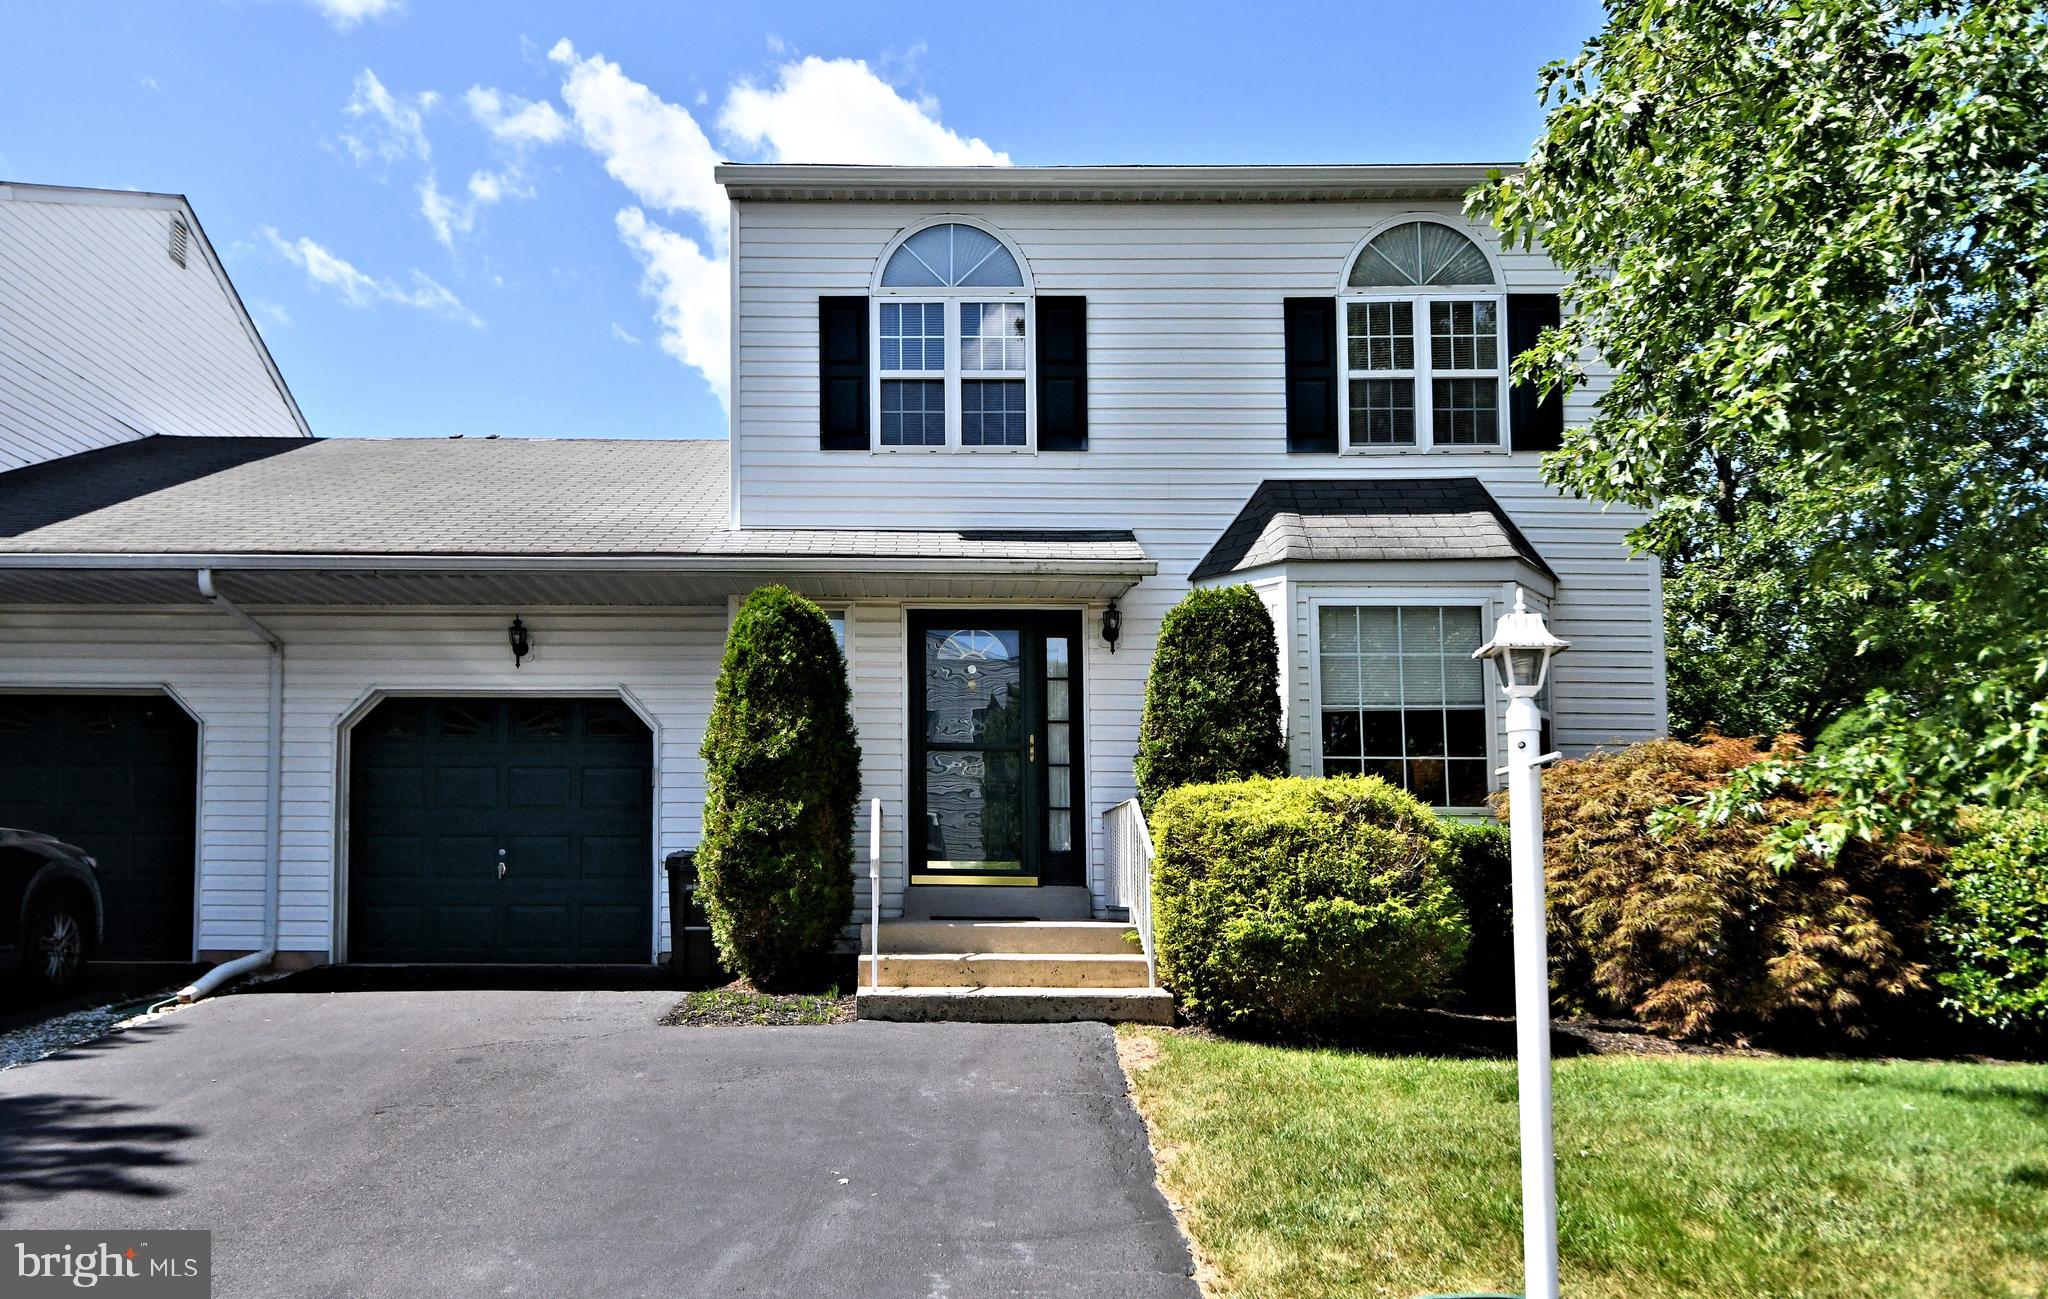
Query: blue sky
498	218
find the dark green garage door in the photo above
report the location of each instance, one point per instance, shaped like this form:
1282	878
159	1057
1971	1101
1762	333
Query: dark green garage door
500	830
116	775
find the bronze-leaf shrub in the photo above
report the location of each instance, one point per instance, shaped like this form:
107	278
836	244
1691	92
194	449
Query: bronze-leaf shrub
1694	932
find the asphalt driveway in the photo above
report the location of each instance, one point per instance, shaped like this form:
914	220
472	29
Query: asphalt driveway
561	1144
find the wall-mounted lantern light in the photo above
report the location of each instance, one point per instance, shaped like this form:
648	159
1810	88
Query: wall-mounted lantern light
1112	626
522	642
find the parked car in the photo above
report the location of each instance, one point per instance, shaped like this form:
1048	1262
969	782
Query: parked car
50	913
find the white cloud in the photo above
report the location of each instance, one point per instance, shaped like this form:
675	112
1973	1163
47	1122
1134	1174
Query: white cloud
839	110
346	15
689	291
652	147
393	127
149	83
270	313
624	336
325	270
818	110
514	121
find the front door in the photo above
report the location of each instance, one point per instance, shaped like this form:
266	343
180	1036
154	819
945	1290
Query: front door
995	764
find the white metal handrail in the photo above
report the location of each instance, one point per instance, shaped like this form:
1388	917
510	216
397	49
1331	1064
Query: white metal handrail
1128	845
875	893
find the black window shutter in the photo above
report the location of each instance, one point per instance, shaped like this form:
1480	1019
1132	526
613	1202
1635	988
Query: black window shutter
1062	374
1311	374
1536	425
843	374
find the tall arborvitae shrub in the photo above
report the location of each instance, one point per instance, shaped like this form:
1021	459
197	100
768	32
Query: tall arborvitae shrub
1212	702
782	776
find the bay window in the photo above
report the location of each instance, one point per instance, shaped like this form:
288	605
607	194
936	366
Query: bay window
1400	696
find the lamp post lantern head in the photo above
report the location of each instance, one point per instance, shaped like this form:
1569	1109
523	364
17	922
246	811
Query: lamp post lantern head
1521	650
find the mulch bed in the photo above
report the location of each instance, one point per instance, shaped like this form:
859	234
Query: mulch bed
741	1005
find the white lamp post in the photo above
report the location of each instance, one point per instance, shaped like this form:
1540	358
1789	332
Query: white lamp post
1521	650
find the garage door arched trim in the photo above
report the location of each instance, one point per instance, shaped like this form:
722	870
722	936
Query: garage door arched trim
345	945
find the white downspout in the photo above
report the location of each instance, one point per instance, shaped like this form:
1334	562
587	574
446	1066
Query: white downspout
272	836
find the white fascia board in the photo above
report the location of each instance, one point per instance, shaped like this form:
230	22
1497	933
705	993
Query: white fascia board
705	563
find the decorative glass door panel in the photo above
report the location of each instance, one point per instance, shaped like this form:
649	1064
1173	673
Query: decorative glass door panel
995	763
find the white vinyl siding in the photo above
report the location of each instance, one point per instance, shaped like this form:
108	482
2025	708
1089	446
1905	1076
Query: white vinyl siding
663	664
1186	417
104	339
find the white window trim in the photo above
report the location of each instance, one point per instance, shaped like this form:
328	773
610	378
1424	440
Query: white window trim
1419	597
953	376
1422	372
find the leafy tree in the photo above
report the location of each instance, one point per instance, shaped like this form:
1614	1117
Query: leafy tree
1808	237
1212	700
782	776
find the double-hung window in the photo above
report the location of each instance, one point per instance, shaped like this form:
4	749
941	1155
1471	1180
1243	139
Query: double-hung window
1425	343
952	319
1401	697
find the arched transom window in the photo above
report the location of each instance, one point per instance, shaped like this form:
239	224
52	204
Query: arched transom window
952	328
1425	344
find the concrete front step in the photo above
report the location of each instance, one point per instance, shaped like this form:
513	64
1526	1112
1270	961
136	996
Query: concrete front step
1010	970
1064	937
1017	1005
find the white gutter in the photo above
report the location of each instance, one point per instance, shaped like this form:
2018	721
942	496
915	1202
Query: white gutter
704	562
272	837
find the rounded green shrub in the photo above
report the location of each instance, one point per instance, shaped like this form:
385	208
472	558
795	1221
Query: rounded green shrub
1994	933
782	777
1299	907
1212	701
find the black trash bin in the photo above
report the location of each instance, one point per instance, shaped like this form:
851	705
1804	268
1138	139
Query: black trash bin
692	958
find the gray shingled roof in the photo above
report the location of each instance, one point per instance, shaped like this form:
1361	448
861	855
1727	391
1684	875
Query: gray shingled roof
1292	519
445	497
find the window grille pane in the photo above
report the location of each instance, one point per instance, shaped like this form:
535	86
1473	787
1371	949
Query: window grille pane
1422	680
1059	787
1382	412
1056	658
1057	698
1337	630
1340	681
1340	767
951	255
1466	411
1379	732
1463	336
1421	631
1420	252
1378	631
1379	679
1461	631
1465	784
913	413
992	336
1464	679
1426	780
1058	743
992	413
1382	335
1059	831
913	336
1465	732
1340	733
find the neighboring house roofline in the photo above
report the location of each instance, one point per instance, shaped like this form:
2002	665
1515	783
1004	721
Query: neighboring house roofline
83	196
1157	184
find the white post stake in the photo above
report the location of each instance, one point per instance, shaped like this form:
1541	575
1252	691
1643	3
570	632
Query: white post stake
875	893
1532	1001
1521	650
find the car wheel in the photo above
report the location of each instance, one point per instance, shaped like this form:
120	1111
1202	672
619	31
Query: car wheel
54	946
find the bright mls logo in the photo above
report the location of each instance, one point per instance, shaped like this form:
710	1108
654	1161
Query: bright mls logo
160	1264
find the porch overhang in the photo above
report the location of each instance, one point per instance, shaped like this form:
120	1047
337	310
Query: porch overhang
565	581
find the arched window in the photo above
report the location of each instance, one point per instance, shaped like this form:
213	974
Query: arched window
1425	344
952	323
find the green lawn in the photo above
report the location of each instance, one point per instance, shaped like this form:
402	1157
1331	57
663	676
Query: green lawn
1319	1173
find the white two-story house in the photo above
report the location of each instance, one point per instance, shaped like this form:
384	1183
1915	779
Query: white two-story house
442	700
